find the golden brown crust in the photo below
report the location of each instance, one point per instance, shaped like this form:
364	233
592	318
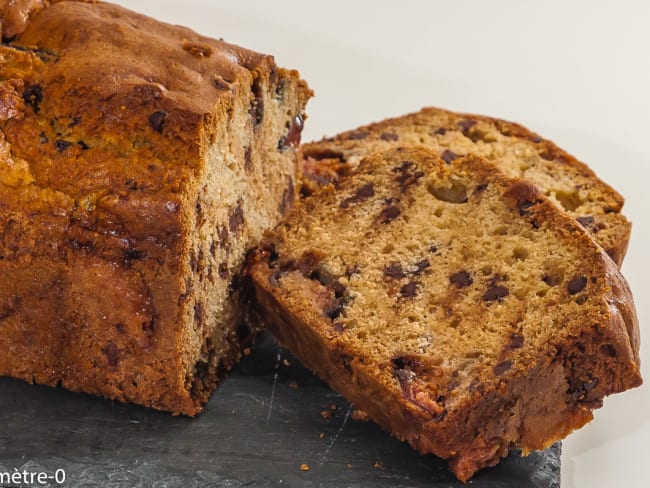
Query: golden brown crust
522	153
108	121
531	393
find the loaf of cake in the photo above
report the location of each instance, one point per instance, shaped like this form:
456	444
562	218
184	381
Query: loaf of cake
460	308
517	152
138	162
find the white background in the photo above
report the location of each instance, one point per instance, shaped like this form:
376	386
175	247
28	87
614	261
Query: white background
577	72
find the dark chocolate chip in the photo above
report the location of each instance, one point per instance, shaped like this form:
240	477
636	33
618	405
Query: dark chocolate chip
223	270
535	139
552	280
324	277
586	221
524	206
199	313
394	272
130	254
61	145
236	218
433	248
157	120
223	237
257	104
82	145
580	387
421	266
502	367
356	136
406	362
576	285
406	176
248	163
33	96
516	341
461	279
409	290
389	136
339	289
440	132
448	156
388	214
280	89
363	193
404	167
352	270
495	292
466	124
334	310
112	353
307	264
295	132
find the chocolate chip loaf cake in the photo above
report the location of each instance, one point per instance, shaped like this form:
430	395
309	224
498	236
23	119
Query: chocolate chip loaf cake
517	152
460	308
139	161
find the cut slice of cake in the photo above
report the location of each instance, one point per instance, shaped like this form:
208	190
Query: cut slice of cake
461	309
517	152
138	163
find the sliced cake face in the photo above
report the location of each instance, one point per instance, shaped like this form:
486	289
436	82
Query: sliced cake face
517	152
139	161
461	309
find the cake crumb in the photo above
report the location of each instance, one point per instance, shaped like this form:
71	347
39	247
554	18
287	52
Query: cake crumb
247	351
321	435
286	362
293	385
361	415
304	467
349	466
379	464
326	414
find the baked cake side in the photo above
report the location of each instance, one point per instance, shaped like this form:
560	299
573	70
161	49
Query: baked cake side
518	152
139	161
461	309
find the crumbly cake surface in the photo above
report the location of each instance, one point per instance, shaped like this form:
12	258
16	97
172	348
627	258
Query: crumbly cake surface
461	309
518	152
138	162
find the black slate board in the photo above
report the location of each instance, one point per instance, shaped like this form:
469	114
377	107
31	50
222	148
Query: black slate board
258	429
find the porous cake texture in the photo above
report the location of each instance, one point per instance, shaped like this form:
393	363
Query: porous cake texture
138	162
515	150
460	308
